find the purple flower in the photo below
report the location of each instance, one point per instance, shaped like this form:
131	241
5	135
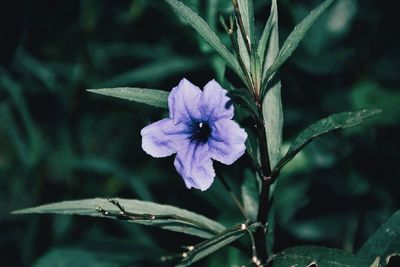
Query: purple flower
200	128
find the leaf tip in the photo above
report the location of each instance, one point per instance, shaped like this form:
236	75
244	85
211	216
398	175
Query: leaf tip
371	112
378	111
16	212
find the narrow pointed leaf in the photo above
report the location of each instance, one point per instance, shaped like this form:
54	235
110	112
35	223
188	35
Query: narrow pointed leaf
246	10
317	256
250	195
376	262
245	34
243	98
323	126
213	244
207	33
273	118
296	36
262	44
142	212
152	97
272	103
385	242
244	54
88	257
161	68
272	43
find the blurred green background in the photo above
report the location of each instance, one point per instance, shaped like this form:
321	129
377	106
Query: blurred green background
59	142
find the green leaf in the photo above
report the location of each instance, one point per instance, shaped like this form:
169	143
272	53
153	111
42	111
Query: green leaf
385	242
253	152
152	72
14	89
243	52
207	33
272	42
376	262
42	71
273	120
272	103
110	166
250	195
317	256
66	257
246	36
142	212
247	14
150	97
287	196
8	124
243	98
217	242
326	125
262	44
101	250
295	37
229	256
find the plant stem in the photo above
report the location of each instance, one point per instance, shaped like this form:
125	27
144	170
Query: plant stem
253	81
263	207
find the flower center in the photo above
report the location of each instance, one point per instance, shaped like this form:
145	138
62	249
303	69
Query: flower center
201	132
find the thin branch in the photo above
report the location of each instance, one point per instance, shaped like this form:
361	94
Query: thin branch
237	229
125	215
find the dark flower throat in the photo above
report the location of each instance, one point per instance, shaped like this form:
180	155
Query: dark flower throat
201	132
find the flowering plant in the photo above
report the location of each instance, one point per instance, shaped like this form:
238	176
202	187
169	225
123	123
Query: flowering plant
202	127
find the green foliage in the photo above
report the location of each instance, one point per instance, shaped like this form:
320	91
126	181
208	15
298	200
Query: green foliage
205	31
160	68
64	257
243	46
262	44
273	118
142	212
323	126
272	103
317	256
294	39
250	195
245	33
29	150
59	142
245	100
152	97
246	10
213	244
268	47
384	243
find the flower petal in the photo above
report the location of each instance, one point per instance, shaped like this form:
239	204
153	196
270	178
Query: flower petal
183	102
214	104
162	138
227	141
194	164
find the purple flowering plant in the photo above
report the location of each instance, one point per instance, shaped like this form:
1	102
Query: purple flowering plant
199	128
202	128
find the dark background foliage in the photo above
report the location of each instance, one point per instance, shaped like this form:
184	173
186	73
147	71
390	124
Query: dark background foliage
59	142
